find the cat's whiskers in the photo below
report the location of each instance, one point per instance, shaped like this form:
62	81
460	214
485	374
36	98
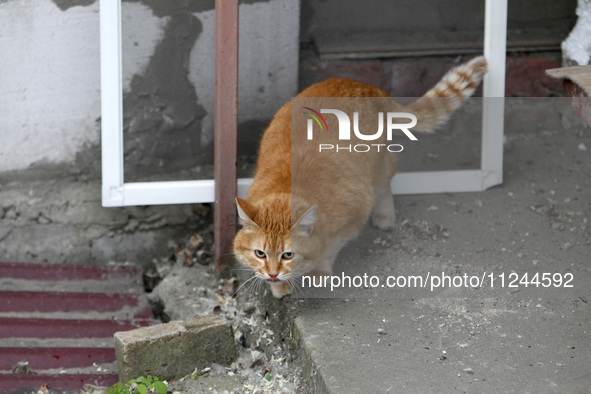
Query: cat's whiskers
258	284
294	285
242	285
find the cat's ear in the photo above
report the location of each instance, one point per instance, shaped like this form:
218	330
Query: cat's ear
305	224
246	212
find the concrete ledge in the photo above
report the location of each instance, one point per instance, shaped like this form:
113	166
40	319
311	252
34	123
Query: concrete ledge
173	350
64	222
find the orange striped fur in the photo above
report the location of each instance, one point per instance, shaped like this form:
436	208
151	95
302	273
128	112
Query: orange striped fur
302	208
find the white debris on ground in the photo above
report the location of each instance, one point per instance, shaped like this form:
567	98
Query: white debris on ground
262	363
189	291
576	49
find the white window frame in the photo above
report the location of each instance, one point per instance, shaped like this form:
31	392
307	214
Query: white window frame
116	192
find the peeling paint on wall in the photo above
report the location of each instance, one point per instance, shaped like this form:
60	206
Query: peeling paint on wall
50	84
65	5
141	31
162	118
157	142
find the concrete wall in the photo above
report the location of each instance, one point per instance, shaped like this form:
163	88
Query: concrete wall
50	82
50	116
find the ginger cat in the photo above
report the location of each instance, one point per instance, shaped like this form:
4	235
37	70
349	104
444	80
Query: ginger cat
303	207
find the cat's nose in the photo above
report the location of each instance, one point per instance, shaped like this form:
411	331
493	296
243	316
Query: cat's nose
273	277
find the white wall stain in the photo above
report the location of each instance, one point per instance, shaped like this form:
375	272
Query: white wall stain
141	31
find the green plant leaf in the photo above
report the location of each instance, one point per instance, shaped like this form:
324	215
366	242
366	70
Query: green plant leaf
268	377
160	387
142	389
148	382
116	389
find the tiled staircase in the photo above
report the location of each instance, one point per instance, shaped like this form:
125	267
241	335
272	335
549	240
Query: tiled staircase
57	323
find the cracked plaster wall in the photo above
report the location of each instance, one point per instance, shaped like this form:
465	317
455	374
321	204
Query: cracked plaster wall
50	83
50	117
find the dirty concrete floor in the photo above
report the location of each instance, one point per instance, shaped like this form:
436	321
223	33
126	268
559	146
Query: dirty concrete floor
500	339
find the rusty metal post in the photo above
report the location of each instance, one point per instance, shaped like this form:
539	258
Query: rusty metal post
226	124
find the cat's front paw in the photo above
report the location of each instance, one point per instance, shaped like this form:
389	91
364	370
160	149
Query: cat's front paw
384	221
281	290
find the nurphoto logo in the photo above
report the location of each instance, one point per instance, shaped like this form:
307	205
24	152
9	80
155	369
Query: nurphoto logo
344	129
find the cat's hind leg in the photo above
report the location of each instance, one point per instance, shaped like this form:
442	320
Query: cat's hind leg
383	215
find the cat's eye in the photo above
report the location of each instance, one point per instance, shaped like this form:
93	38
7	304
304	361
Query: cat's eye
287	255
260	254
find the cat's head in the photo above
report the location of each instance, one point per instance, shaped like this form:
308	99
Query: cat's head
275	239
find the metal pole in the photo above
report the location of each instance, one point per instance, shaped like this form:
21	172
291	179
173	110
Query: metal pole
226	124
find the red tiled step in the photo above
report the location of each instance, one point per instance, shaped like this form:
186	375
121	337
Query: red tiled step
64	328
40	271
11	383
53	301
55	357
62	317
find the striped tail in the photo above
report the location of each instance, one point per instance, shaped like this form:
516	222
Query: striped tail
438	104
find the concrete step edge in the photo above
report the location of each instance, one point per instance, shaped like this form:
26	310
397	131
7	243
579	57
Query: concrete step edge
40	271
97	368
105	342
126	313
41	358
115	286
66	328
